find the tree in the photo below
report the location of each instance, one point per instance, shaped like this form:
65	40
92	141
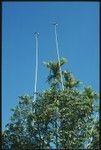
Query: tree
63	119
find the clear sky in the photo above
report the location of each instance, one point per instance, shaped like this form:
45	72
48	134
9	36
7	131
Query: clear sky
78	36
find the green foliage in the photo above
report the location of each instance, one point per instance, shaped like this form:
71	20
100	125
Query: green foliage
70	81
54	77
95	137
60	117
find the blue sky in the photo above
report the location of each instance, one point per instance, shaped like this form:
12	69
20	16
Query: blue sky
78	36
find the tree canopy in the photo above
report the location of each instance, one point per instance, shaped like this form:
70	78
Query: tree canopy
61	119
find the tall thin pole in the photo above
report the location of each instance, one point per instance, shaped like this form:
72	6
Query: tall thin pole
36	34
57	50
